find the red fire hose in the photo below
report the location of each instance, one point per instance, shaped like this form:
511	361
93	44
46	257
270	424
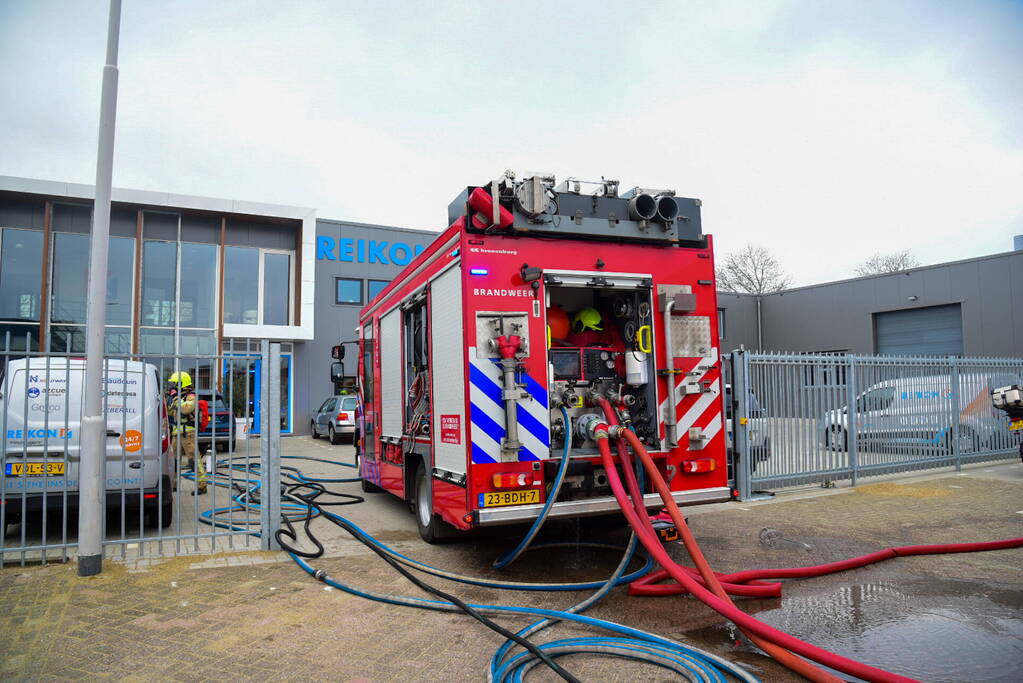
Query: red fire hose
806	669
690	583
748	584
723	607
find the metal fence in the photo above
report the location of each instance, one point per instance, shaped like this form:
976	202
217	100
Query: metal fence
805	418
149	506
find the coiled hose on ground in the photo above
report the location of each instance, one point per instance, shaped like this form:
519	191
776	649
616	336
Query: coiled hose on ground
301	503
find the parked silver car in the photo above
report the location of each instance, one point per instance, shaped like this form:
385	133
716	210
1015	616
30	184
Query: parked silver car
334	418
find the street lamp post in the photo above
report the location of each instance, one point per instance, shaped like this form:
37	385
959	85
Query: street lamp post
91	491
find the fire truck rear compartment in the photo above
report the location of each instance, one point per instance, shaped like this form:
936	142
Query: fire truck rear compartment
617	364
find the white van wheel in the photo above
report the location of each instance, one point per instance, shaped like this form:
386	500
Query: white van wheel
968	442
837	439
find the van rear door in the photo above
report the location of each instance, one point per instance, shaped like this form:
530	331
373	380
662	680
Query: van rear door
44	416
131	401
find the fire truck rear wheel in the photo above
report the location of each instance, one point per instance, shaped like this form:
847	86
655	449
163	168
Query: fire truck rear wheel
431	528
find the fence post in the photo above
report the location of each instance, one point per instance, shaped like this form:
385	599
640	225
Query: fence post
956	447
269	444
852	433
740	423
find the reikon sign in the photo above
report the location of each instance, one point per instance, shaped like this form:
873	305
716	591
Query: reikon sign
365	251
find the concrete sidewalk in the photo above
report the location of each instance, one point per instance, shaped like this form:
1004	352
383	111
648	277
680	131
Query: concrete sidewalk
258	616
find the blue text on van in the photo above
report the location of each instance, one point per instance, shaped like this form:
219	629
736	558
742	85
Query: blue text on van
926	394
61	433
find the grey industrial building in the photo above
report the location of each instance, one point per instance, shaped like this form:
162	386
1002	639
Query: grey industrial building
204	276
972	307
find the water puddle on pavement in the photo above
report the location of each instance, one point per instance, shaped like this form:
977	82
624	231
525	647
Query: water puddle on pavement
936	630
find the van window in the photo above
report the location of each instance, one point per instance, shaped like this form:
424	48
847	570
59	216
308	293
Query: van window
875	400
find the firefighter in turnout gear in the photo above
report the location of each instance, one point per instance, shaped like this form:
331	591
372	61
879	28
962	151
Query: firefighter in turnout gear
182	406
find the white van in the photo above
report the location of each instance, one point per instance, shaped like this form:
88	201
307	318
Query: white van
917	412
41	404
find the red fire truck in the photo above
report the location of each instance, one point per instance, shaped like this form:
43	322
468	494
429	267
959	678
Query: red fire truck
537	298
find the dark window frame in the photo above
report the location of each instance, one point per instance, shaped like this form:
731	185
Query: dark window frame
362	291
370	283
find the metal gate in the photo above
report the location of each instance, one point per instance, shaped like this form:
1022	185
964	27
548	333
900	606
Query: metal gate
149	507
805	418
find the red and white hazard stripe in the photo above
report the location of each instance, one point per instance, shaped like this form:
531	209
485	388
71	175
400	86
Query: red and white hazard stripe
705	411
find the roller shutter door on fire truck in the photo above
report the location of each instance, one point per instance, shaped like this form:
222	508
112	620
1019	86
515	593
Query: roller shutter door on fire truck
448	376
390	374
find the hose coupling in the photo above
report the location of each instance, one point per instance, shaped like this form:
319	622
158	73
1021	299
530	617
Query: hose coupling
616	431
320	575
591	426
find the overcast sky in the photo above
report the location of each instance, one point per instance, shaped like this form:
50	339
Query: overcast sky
824	131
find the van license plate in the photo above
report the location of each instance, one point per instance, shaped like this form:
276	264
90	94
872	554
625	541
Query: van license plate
34	469
1016	424
496	499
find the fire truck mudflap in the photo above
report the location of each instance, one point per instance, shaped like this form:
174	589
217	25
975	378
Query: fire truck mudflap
538	301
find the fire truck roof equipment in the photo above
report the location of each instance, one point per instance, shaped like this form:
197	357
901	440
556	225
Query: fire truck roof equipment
576	208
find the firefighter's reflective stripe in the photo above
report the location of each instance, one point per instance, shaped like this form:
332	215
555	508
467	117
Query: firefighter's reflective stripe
704	407
487	413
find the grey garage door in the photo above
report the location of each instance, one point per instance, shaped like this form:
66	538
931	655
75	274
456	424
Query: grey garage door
931	331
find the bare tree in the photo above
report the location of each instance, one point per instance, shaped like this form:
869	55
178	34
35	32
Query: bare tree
751	270
879	264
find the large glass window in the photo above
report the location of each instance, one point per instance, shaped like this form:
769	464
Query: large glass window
198	286
156	342
70	278
241	285
69	294
257	286
159	279
13	337
197	342
21	256
117	339
120	277
276	288
71	339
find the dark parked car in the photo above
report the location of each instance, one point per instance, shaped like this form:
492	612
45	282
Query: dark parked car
221	423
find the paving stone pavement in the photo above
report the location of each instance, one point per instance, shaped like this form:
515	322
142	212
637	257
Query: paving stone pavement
257	616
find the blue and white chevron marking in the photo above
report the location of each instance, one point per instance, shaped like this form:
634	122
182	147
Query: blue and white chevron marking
486	413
